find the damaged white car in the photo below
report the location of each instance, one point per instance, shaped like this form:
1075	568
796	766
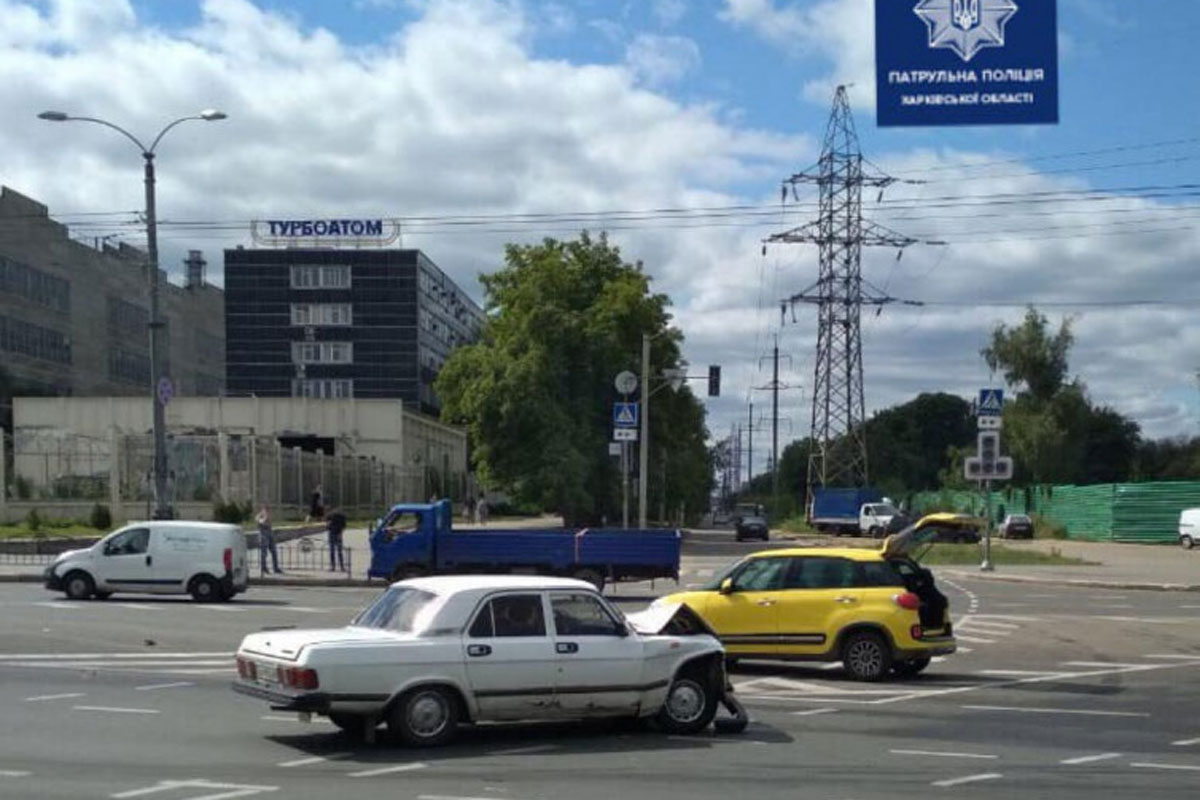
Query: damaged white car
431	653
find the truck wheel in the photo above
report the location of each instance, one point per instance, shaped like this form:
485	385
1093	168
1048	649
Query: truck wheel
78	585
866	656
204	589
690	706
592	576
425	717
875	532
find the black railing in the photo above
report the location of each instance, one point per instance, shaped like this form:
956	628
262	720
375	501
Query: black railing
304	556
27	559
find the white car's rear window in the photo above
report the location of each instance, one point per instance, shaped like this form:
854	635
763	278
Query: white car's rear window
398	609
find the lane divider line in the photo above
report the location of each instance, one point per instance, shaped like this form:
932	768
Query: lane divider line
522	751
983	776
812	712
117	710
1090	759
151	687
1185	742
41	697
1081	712
1150	765
301	762
370	773
941	754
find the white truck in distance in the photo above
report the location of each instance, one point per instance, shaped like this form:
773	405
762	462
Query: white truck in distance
873	518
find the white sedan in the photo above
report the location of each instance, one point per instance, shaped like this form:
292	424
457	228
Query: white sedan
431	653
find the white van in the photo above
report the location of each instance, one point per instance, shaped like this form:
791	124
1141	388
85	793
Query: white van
204	559
1189	527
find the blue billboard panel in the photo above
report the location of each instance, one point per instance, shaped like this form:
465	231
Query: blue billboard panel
966	62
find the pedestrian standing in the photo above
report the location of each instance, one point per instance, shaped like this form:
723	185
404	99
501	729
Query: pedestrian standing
316	505
266	541
469	509
482	510
336	527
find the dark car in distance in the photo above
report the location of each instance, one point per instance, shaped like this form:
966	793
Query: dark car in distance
1017	526
751	527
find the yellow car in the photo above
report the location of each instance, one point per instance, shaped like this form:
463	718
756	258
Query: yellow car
876	611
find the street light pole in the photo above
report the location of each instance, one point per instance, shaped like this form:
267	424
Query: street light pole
162	509
644	444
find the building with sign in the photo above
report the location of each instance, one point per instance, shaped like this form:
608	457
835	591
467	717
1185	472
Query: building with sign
326	321
73	316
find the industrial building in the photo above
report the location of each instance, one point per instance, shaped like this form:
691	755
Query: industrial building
74	318
336	322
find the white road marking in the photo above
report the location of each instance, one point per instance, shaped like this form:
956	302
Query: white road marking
370	773
812	712
140	654
1009	617
1010	605
137	606
1185	742
984	623
58	604
983	776
1149	620
973	639
1114	605
1101	664
276	718
1014	672
303	762
1090	759
521	751
117	710
302	609
965	650
64	696
940	754
153	686
1190	606
14	773
228	790
228	609
1042	596
1080	712
1150	765
1174	656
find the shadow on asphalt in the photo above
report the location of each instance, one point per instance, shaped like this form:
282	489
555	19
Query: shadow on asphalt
518	740
184	600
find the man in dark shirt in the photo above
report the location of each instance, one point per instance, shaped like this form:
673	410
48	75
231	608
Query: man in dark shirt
337	526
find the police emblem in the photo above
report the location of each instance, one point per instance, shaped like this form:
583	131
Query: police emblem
965	26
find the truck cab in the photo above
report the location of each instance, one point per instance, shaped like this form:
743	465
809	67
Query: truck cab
873	518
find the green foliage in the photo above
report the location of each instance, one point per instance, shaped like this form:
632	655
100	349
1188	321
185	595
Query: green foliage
1033	361
1045	528
564	317
232	512
33	520
101	518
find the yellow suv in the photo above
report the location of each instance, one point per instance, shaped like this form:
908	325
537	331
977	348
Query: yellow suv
876	611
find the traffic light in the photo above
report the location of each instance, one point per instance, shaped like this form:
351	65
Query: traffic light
989	450
714	381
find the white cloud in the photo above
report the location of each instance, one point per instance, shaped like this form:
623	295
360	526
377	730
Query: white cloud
660	60
841	30
669	12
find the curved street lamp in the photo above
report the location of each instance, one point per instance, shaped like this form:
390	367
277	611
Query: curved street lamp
161	509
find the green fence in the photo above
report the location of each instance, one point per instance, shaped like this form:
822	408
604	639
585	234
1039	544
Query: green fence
1117	512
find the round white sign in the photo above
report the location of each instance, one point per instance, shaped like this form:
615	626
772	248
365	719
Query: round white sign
626	382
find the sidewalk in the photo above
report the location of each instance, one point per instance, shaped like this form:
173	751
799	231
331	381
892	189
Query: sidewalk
1121	566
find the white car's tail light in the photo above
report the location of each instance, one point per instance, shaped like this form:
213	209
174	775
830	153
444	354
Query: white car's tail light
299	677
246	669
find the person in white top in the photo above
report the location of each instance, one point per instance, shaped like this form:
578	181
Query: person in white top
266	541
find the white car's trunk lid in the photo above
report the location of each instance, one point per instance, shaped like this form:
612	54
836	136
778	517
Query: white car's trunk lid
286	645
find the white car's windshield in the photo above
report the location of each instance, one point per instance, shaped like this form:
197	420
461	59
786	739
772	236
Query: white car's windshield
398	609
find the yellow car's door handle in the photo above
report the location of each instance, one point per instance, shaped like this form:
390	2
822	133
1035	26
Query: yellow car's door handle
846	599
765	603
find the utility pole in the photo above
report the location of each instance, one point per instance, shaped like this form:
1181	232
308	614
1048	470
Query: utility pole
774	386
750	445
839	452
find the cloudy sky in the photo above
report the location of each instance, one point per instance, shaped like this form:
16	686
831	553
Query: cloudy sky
446	108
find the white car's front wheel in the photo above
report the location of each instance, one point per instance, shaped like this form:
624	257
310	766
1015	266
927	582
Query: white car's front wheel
425	717
690	706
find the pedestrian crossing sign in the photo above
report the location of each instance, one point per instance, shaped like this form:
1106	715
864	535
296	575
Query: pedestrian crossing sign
991	403
625	415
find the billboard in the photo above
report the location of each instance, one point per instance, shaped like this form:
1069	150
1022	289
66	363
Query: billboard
966	62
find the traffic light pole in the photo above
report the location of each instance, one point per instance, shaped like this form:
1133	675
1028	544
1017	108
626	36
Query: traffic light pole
986	566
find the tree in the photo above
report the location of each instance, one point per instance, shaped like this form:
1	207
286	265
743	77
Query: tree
536	393
907	445
1051	428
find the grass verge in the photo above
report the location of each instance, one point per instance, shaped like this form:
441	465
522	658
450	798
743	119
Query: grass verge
967	554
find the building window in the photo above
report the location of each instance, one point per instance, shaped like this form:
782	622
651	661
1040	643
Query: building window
34	285
127	367
330	388
127	319
321	277
17	336
322	314
322	352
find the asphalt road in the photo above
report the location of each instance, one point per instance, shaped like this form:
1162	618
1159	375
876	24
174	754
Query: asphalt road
1058	693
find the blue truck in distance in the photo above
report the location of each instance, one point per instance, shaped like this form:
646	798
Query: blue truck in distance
837	510
412	540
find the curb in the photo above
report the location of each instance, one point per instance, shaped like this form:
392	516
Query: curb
298	582
1081	583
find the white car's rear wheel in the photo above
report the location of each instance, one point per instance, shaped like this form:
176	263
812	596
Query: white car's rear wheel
425	717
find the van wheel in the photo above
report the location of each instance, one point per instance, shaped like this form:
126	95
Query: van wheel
1187	542
425	717
78	586
204	589
866	656
592	576
690	706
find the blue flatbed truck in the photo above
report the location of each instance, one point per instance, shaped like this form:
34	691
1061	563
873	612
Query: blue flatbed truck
412	540
837	511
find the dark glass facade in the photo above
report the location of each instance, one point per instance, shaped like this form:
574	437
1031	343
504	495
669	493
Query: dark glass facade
341	323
